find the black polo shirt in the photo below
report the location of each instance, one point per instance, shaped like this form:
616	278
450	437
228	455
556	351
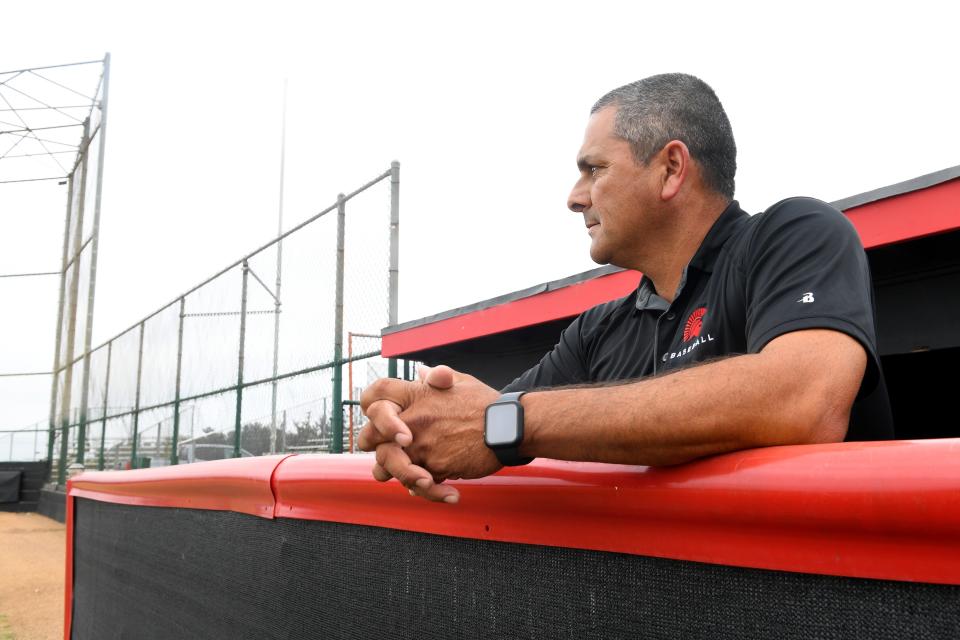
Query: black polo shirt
797	265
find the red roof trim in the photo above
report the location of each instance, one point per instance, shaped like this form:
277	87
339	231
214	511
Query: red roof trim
907	216
895	219
241	485
543	307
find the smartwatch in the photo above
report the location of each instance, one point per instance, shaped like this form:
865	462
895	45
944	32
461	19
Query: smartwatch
503	429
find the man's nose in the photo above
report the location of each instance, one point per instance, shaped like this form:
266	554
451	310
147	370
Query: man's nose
579	198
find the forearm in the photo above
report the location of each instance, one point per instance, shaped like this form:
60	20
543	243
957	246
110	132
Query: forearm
727	405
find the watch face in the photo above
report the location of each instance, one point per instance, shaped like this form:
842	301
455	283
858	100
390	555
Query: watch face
502	422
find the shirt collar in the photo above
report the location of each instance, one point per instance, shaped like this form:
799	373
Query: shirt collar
720	232
703	259
647	298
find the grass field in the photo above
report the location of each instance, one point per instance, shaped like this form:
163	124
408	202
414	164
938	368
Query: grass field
32	553
5	632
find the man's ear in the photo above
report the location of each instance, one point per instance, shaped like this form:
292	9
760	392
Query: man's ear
676	163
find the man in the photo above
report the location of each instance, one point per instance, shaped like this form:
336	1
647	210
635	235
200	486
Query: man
744	332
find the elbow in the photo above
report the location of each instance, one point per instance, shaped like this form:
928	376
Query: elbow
817	417
814	379
830	427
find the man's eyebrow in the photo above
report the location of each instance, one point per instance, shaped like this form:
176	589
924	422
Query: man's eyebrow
584	162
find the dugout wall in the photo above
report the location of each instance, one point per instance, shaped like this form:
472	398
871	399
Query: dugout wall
786	542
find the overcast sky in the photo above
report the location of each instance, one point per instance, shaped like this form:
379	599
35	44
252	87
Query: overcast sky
483	104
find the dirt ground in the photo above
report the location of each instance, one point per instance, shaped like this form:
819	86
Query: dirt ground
32	551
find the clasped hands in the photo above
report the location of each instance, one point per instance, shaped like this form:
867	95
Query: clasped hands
428	431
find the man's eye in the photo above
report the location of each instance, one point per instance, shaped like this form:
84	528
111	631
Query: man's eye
593	170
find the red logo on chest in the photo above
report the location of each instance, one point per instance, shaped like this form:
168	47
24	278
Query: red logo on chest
694	324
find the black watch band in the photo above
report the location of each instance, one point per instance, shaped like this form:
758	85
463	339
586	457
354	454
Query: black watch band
509	455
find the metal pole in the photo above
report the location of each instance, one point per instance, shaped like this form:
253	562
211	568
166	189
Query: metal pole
74	422
337	436
65	394
276	296
243	331
106	396
136	407
394	253
94	244
350	383
175	455
283	446
59	336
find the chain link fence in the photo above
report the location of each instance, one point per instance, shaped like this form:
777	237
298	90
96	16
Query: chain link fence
26	444
270	355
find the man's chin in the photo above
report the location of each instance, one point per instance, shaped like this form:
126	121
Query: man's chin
598	255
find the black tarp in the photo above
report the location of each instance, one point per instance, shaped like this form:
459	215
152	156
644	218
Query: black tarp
142	572
10	486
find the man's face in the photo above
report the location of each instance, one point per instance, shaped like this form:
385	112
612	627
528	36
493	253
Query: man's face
615	194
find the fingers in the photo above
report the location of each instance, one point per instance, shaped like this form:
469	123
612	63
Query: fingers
440	377
398	391
438	493
380	474
387	433
384	426
383	401
393	461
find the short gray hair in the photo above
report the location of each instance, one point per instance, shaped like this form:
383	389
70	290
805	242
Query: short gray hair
676	106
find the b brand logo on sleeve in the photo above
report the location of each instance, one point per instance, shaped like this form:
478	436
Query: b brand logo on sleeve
807	298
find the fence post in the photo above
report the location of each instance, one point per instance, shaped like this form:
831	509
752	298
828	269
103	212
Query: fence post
136	407
276	347
336	445
175	455
276	293
64	444
82	423
94	249
106	396
276	355
350	385
394	253
59	336
243	331
74	263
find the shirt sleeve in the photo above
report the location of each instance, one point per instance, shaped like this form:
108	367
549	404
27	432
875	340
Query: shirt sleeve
806	269
562	365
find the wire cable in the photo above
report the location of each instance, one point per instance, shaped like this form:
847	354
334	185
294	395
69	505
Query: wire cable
92	99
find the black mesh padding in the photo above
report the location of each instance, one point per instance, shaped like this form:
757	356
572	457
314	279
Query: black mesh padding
180	573
10	486
25	496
